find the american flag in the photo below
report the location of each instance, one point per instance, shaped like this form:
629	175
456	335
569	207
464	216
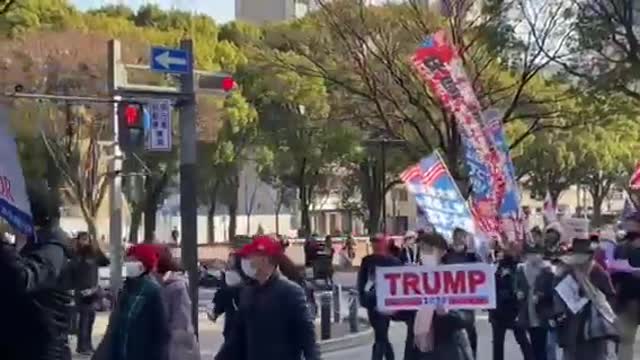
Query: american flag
427	172
634	181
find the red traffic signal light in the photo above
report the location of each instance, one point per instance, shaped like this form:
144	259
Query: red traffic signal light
228	84
132	115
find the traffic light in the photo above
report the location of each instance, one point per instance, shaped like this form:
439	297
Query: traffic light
217	82
132	124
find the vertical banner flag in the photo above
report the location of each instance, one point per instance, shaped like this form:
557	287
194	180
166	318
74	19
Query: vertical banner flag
510	212
549	210
628	209
441	68
437	196
14	203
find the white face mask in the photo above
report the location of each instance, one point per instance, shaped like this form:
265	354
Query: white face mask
247	268
232	278
133	269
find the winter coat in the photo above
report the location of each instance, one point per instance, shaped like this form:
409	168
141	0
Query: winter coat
367	276
36	299
543	289
449	337
138	328
572	328
183	344
226	301
84	270
507	305
273	323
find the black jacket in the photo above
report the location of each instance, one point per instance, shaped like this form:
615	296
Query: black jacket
507	305
226	301
367	274
454	257
273	323
543	288
36	299
84	270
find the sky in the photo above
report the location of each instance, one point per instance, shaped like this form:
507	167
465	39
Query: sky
221	10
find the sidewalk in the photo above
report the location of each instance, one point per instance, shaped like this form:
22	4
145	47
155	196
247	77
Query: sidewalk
210	334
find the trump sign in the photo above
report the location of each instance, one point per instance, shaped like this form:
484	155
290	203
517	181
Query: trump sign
463	286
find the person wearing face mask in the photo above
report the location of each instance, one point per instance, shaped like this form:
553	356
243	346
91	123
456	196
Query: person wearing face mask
459	253
591	333
627	286
273	320
534	291
138	326
183	344
35	283
439	333
382	348
503	317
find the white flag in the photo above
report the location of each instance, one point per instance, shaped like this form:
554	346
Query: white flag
14	203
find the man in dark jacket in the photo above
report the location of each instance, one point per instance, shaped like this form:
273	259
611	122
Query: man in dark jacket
459	253
36	299
504	316
273	320
381	256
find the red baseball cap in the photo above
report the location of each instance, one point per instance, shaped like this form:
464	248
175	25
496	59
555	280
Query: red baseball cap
261	245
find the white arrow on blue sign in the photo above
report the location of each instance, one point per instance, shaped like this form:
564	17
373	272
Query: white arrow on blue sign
170	60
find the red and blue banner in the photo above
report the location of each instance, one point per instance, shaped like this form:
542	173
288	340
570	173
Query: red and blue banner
441	68
437	196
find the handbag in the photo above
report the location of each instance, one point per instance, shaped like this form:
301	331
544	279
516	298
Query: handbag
598	327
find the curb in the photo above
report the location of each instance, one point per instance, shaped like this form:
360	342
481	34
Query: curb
360	338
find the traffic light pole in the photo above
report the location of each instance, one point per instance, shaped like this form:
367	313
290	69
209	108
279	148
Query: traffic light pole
115	188
188	183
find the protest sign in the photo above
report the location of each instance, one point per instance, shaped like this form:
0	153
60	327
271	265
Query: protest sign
437	196
461	286
575	228
569	292
14	203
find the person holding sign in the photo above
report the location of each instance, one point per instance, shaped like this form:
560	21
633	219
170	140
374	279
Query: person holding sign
382	348
439	333
587	325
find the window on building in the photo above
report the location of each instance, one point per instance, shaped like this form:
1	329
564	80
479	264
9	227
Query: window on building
401	194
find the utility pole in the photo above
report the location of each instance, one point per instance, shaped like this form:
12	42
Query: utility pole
115	188
188	182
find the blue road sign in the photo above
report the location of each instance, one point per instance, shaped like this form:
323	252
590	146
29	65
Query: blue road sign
170	60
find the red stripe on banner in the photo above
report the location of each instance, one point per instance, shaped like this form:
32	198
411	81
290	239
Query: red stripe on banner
411	173
433	174
478	300
634	182
414	301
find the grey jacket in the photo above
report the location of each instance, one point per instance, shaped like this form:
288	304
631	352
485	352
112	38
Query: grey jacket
183	344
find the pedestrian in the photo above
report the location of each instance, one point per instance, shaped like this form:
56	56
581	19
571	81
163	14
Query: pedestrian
534	290
183	344
35	285
410	253
627	285
88	258
227	298
461	253
382	348
440	333
138	327
503	317
590	331
273	320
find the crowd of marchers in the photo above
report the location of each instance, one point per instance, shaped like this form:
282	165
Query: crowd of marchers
527	302
266	301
